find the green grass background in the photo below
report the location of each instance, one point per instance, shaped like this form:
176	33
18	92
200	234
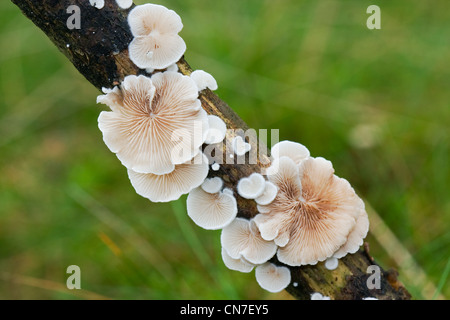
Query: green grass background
374	102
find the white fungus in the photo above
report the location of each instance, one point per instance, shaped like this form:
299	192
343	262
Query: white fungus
269	194
169	187
215	166
252	186
272	278
212	185
156	42
173	68
124	4
239	264
293	150
241	238
204	80
331	263
99	4
240	147
217	130
369	298
319	296
154	124
211	211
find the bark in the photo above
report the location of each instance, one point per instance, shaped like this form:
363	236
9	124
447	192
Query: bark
99	50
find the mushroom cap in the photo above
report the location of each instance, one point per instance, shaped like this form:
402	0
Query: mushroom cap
269	194
124	4
169	187
156	42
313	213
272	278
212	185
240	147
217	130
290	149
239	264
252	186
331	263
241	238
204	80
319	296
148	118
211	211
356	237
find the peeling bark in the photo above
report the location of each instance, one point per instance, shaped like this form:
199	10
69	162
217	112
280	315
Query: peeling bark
99	50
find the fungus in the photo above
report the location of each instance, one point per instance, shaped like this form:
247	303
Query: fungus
239	264
215	166
146	114
241	238
156	42
217	130
319	296
240	147
269	194
331	263
271	277
212	185
211	211
356	237
293	150
312	214
124	4
99	4
204	80
169	187
251	187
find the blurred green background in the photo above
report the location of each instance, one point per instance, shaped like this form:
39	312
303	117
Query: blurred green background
374	102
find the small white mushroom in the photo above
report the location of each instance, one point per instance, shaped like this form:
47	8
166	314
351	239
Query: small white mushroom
369	298
228	191
211	211
99	4
212	185
239	264
293	150
241	238
252	186
204	80
217	130
124	4
155	29
173	68
270	192
331	263
169	187
319	296
272	278
240	147
215	166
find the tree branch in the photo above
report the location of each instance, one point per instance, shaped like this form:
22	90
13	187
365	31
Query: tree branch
99	50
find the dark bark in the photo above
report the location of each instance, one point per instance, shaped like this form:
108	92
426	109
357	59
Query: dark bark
99	50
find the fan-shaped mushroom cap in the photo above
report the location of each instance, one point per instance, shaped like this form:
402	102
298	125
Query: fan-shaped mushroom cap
156	42
241	238
290	149
272	278
240	147
146	115
204	80
331	263
169	187
217	130
269	194
252	186
313	213
124	4
239	264
212	185
356	237
211	211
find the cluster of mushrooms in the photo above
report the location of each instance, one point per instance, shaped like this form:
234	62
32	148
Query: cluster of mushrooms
157	128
